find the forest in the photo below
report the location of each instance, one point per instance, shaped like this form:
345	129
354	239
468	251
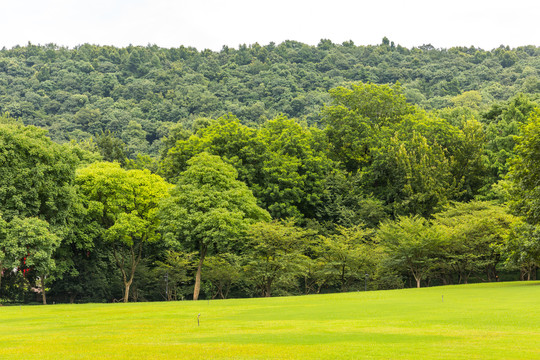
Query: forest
151	174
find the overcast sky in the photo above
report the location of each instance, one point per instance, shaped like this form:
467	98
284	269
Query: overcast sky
214	23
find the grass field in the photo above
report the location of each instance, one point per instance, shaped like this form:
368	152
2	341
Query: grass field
487	321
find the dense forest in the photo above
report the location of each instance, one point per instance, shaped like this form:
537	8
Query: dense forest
145	173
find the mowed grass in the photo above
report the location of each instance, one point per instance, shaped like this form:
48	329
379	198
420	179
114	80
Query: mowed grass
486	321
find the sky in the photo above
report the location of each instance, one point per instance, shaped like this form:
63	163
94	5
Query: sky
211	24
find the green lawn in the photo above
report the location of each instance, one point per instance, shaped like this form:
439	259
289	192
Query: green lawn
487	321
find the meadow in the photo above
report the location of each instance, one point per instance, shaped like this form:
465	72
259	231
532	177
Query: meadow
481	321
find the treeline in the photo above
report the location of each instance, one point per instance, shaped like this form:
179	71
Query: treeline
383	194
140	92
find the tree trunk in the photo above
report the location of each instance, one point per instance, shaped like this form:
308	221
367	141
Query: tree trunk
418	279
197	288
127	285
43	290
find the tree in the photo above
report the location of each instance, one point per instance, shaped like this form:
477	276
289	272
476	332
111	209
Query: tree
525	176
522	249
175	273
11	250
276	257
292	169
412	176
344	202
36	177
222	271
525	171
208	210
477	231
348	256
412	244
283	162
110	147
39	243
355	117
124	204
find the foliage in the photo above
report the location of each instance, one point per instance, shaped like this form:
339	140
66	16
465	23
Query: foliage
477	231
36	176
124	204
412	245
38	243
348	257
276	258
356	143
208	210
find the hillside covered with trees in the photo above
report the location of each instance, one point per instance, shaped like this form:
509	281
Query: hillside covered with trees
145	173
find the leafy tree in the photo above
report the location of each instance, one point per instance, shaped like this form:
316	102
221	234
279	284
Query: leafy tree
344	202
522	249
411	244
222	271
124	204
36	177
293	170
503	126
11	250
276	258
348	256
525	171
110	147
355	117
525	174
281	162
174	274
209	210
33	235
476	231
412	176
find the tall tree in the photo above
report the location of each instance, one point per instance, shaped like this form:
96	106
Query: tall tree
355	117
525	190
525	171
36	175
209	210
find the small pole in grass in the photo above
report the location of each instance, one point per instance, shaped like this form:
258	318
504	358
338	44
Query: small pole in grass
198	316
442	298
167	285
365	284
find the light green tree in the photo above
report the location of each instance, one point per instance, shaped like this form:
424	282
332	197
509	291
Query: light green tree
476	231
276	256
209	210
411	244
348	256
124	204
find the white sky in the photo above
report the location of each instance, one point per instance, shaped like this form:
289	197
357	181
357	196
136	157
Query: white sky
214	23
